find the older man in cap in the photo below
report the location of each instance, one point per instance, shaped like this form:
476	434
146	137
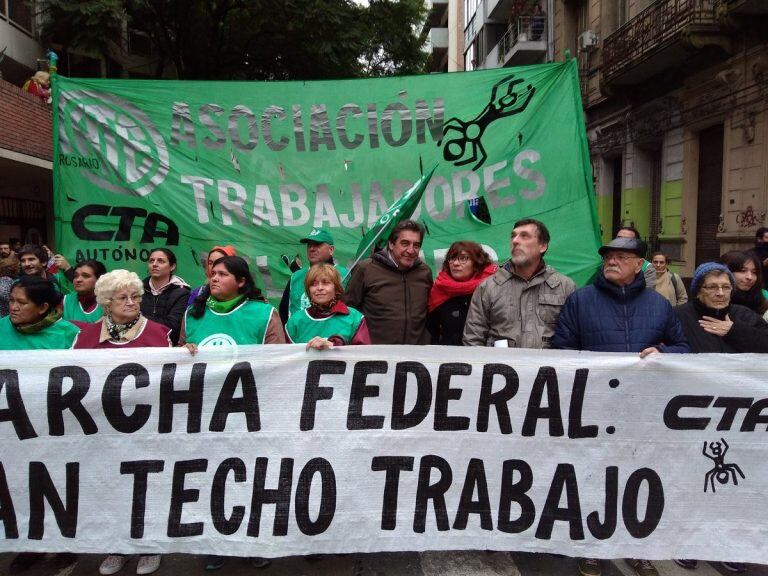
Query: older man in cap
618	314
320	249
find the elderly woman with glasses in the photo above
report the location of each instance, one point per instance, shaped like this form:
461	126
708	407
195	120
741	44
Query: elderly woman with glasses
119	294
712	323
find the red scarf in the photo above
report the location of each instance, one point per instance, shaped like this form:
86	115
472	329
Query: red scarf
445	287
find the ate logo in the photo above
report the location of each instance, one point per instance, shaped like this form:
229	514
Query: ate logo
217	340
132	155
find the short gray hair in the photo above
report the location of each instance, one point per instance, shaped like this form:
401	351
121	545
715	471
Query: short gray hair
114	281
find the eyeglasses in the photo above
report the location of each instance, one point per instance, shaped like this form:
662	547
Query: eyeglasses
461	259
715	288
125	299
620	257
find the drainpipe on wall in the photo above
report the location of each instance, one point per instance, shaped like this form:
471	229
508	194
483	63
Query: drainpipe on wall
550	30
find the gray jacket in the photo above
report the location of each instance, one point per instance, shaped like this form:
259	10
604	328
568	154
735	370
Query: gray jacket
507	307
649	273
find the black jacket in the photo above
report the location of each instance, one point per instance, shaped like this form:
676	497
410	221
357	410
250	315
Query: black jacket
446	322
167	307
749	332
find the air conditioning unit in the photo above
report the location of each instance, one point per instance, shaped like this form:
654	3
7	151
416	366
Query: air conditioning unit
587	41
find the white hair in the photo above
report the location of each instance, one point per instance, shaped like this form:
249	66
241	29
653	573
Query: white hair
114	281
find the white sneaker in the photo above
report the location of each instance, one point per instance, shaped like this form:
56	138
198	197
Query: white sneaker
113	564
148	564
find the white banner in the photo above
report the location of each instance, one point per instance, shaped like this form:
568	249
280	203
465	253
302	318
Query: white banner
273	451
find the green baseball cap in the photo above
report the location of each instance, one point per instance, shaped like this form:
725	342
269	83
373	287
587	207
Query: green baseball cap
318	235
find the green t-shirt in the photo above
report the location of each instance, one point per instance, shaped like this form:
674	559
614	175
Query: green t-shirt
302	327
298	299
246	324
58	336
73	310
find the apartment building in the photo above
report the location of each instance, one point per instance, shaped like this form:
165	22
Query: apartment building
675	101
507	32
25	130
26	144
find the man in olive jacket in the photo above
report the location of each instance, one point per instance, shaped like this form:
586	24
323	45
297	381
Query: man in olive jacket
518	307
391	289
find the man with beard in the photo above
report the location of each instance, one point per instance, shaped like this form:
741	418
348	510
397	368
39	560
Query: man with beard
519	305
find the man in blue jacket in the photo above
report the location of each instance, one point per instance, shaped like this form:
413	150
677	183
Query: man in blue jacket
618	314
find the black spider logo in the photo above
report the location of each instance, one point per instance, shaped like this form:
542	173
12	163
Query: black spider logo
722	471
465	146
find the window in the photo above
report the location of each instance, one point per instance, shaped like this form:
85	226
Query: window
20	12
470	7
139	43
583	17
469	58
621	13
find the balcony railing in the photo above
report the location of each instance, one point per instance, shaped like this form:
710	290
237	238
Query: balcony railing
659	24
526	29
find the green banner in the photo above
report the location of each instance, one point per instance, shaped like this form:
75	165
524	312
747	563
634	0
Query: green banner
189	165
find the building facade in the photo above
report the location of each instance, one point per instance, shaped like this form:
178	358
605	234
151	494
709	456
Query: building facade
507	32
675	96
26	144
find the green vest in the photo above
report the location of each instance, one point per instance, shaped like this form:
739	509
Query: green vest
61	282
302	327
59	336
72	310
298	299
246	324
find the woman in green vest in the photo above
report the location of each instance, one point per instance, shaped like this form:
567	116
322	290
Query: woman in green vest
230	310
34	321
327	321
81	306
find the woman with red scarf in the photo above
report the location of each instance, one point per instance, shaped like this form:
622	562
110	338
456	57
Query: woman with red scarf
466	265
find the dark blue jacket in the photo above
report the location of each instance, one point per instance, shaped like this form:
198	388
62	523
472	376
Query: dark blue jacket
605	317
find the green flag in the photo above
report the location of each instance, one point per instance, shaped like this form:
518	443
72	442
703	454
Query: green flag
400	210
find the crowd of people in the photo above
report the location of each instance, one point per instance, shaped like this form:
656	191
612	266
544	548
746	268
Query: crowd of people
633	306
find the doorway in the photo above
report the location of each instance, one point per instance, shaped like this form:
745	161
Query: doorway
710	192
